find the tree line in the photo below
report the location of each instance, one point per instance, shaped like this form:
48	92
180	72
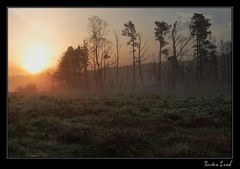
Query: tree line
88	65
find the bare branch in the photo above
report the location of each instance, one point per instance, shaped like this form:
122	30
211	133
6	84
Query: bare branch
184	45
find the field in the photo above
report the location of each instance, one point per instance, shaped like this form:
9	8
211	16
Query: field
71	126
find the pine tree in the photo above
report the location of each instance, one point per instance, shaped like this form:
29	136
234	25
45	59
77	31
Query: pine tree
130	31
161	30
199	30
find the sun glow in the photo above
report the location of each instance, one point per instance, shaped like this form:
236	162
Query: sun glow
36	58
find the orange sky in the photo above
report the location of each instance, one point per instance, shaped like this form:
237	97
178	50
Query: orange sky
43	34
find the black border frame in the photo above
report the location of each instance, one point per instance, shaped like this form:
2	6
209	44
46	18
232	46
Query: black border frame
193	163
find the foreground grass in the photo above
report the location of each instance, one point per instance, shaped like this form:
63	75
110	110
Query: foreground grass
120	126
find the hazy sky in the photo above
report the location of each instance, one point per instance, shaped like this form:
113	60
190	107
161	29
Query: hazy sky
58	28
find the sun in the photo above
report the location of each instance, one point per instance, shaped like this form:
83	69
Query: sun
36	58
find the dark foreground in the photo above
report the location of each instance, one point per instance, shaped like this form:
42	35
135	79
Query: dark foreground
120	126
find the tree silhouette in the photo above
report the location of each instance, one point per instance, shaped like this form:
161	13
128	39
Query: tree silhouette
199	29
130	31
97	29
105	56
162	28
203	68
178	43
84	55
63	69
73	66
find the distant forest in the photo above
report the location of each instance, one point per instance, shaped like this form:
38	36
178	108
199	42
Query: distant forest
88	66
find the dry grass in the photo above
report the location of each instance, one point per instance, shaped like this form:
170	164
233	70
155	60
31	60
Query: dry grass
120	126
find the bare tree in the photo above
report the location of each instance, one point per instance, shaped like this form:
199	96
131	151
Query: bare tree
105	56
93	64
97	29
178	43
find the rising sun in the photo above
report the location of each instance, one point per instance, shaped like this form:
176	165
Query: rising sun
37	57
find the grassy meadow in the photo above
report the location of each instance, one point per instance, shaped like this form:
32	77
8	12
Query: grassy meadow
71	126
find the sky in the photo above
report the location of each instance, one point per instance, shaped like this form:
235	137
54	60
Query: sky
58	28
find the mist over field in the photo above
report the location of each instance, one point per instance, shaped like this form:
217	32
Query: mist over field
156	85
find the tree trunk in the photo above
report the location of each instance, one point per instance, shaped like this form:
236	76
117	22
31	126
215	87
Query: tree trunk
104	72
140	73
52	82
200	68
95	72
159	68
198	65
139	64
86	76
117	72
134	84
99	76
117	48
174	64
